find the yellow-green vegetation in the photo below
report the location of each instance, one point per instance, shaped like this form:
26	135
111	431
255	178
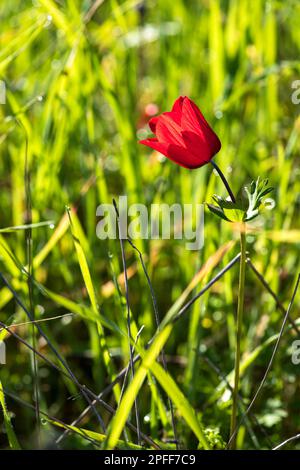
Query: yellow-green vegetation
79	78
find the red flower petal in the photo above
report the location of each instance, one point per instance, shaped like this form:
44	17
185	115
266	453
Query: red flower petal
177	106
184	135
183	157
154	144
152	123
192	117
214	142
195	144
168	131
199	116
175	116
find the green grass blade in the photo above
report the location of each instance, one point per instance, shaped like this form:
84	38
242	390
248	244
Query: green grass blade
132	391
12	438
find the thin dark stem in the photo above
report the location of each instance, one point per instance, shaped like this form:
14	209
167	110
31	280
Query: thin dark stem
128	321
29	245
128	366
52	418
287	441
123	372
54	350
224	180
239	325
270	362
157	320
96	399
126	375
89	15
272	293
241	403
204	289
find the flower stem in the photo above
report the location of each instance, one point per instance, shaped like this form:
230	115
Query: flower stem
224	180
239	323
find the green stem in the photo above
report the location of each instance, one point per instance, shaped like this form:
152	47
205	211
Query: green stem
239	323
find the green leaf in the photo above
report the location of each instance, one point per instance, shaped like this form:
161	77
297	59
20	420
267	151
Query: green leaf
95	436
79	243
85	271
12	438
234	215
168	384
132	391
182	404
25	227
217	211
229	210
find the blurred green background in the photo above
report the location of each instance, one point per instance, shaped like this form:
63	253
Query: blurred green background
80	78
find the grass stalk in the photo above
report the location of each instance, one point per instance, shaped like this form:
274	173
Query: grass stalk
239	324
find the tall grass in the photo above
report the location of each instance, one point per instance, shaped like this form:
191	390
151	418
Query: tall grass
78	80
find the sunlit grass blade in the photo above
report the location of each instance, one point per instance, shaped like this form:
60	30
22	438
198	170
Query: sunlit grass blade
132	391
12	438
85	271
183	406
25	227
95	436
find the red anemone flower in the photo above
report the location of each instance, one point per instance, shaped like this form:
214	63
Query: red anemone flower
183	135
